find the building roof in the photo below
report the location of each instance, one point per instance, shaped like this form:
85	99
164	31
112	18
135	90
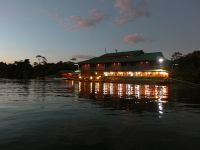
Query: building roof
123	54
130	56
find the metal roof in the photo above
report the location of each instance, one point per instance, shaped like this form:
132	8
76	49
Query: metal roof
123	54
130	56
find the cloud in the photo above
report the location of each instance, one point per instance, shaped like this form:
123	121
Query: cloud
129	10
134	38
95	18
58	19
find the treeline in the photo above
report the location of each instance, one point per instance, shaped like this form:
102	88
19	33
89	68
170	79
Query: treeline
186	67
24	70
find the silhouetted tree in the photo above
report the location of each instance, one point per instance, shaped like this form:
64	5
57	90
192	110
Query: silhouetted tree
188	67
176	55
3	69
41	59
24	70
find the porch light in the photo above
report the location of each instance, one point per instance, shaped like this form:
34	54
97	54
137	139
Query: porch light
160	60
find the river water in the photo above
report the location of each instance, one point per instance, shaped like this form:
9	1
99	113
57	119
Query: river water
58	114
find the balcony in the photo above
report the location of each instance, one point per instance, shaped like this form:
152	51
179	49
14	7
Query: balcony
125	68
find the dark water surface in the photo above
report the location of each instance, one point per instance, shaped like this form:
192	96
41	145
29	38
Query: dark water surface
37	115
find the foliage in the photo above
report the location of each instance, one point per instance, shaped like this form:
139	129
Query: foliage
176	55
187	67
24	70
41	59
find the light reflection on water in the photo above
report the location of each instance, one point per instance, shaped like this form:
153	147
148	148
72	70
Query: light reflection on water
130	94
38	114
122	90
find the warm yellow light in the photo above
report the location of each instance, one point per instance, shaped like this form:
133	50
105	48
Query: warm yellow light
139	74
80	77
91	77
105	73
111	73
164	74
130	73
98	77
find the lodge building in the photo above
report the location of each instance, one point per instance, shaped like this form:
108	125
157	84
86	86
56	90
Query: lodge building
132	64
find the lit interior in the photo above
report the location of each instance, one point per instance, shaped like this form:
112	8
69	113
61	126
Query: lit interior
139	74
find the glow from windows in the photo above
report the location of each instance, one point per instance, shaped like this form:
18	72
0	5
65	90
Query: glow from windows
159	73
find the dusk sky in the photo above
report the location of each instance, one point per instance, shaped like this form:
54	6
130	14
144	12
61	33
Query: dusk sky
63	29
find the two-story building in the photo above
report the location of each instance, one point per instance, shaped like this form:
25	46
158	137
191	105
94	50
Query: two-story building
131	64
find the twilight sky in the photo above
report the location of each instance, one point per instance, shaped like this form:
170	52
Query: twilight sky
62	29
